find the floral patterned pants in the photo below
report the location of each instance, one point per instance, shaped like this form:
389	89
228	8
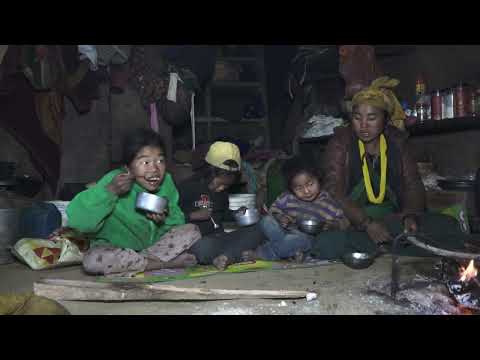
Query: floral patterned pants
105	260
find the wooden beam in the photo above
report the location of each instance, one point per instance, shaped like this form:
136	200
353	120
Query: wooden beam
394	50
58	289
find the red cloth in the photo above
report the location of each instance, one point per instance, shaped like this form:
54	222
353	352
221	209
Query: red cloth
358	67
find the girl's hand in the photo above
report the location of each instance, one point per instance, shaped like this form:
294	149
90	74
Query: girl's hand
337	224
121	184
157	218
285	220
378	232
331	225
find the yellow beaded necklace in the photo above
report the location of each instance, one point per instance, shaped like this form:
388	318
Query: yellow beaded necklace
383	171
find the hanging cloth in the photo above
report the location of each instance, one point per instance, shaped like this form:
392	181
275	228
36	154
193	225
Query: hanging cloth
192	118
154	117
172	87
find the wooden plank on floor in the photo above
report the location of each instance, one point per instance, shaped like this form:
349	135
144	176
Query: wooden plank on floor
58	289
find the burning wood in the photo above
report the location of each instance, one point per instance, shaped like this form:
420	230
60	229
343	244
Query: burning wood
466	290
452	288
421	295
470	273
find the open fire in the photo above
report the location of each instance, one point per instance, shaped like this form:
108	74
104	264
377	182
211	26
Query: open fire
454	288
468	274
466	290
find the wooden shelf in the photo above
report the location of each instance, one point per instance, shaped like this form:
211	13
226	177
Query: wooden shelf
206	120
317	139
384	51
224	100
236	84
252	121
238	59
431	127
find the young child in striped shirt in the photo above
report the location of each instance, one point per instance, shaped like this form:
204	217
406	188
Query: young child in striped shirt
304	200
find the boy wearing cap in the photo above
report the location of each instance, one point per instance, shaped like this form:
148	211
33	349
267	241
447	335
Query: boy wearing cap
204	201
204	195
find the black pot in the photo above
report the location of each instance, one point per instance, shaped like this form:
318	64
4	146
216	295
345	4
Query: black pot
457	185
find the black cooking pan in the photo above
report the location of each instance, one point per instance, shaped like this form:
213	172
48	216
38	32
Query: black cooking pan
457	184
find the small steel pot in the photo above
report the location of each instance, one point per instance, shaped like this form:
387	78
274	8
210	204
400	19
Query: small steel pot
150	202
310	226
246	217
358	260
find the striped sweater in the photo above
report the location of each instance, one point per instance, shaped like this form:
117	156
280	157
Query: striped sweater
324	207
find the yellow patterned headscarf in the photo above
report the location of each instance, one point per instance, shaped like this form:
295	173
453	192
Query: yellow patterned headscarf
380	95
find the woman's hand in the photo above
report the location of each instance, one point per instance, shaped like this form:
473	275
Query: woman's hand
341	224
121	184
201	214
378	232
330	225
410	224
157	218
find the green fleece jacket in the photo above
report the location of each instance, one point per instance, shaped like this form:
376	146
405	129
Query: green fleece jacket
114	220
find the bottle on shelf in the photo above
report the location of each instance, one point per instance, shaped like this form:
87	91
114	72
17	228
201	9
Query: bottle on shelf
474	100
422	112
420	87
448	103
436	105
421	106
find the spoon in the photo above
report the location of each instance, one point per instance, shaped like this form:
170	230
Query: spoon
215	226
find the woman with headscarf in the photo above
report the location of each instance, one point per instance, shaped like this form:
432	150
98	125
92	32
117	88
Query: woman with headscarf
371	172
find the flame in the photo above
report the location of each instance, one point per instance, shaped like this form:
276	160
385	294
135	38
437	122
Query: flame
469	273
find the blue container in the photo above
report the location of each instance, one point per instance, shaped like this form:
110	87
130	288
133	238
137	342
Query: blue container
39	221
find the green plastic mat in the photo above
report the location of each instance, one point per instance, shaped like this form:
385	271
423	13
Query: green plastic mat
203	271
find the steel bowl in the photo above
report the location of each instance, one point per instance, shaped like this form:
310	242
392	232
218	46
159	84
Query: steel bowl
151	203
358	260
237	201
246	217
310	226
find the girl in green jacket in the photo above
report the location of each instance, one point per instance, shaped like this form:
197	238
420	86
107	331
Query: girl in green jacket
126	239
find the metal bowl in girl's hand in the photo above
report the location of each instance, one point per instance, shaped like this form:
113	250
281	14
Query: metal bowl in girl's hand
151	203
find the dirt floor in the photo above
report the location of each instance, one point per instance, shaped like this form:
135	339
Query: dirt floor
340	290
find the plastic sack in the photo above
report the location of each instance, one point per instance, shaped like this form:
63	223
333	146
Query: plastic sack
62	207
41	254
459	212
89	52
112	54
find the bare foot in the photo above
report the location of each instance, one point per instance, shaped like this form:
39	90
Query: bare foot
299	257
221	262
249	255
183	260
